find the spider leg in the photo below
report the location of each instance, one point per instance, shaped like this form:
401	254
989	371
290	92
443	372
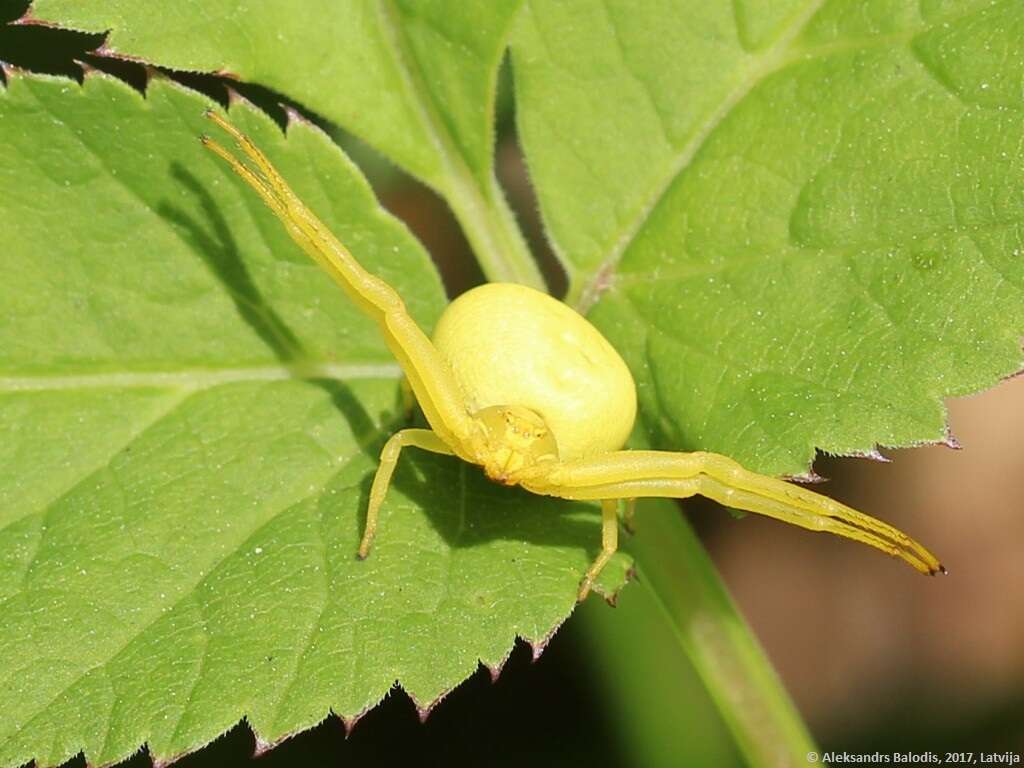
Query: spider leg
630	474
427	373
825	513
609	543
417	438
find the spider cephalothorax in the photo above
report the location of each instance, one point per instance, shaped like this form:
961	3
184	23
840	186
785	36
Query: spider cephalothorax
522	385
512	441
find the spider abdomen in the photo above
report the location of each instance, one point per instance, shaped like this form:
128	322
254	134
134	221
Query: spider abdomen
507	344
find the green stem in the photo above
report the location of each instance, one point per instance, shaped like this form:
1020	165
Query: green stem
688	597
492	231
481	208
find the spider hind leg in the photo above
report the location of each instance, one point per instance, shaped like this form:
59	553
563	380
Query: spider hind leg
609	545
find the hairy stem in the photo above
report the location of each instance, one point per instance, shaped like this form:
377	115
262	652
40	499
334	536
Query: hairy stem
479	206
493	232
686	600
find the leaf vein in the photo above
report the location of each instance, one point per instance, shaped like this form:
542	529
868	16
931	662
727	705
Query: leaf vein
198	378
187	594
173	402
767	64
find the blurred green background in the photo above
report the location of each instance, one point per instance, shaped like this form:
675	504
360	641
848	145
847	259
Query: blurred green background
876	658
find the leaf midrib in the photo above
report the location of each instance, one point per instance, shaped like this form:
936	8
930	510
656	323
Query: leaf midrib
198	378
586	295
460	179
776	58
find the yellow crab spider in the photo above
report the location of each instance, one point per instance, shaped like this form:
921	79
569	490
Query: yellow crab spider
520	384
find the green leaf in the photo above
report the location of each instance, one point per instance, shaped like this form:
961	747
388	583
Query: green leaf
414	79
191	413
801	224
685	608
658	701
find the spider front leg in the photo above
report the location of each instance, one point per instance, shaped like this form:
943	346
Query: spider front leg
428	375
632	474
418	438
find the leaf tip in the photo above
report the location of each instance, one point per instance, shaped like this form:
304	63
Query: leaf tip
1016	374
810	477
234	97
348	723
293	116
88	70
151	73
423	709
874	454
539	645
497	668
424	712
260	745
106	52
611	596
27	19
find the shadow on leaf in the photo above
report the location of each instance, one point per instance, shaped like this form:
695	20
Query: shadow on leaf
484	513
